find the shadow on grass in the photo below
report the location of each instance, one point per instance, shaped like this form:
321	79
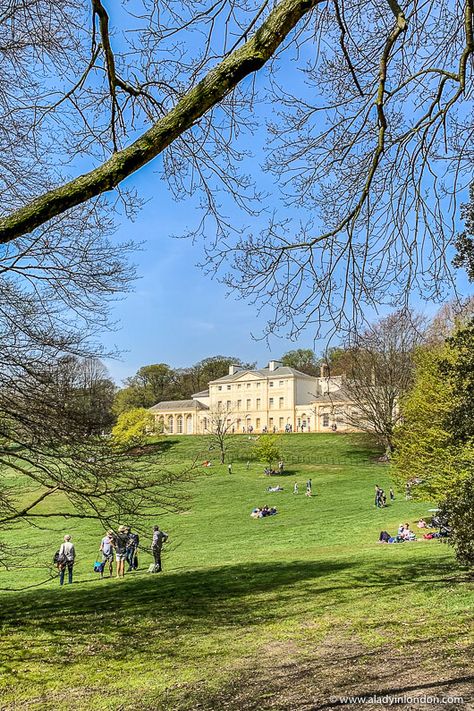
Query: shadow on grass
223	596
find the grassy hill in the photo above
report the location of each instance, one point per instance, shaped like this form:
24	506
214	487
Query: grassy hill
277	613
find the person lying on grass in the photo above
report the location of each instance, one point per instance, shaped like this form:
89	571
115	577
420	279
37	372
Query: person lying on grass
275	488
264	511
406	535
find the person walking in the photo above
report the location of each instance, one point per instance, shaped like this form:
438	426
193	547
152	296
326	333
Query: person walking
280	466
392	495
377	495
309	485
229	468
121	542
159	538
107	550
132	547
66	558
295	487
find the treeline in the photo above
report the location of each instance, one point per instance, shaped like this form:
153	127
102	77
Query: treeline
158	382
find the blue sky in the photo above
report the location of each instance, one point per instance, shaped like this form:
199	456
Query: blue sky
176	314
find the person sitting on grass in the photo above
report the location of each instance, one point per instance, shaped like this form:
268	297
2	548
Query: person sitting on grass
422	523
264	511
407	534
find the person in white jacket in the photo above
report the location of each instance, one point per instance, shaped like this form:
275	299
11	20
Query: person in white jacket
67	555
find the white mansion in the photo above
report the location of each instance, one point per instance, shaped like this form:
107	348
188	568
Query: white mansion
272	399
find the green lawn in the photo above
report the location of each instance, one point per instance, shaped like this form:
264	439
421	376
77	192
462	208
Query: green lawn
277	613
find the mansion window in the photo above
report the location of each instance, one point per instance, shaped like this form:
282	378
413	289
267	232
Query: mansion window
281	402
229	387
239	386
281	383
228	404
219	387
325	420
249	403
179	425
219	404
248	385
257	385
257	423
271	383
239	404
280	423
270	402
270	422
258	403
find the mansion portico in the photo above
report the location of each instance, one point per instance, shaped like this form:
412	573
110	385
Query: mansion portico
272	399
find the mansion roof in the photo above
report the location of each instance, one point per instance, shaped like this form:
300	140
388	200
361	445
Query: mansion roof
179	405
263	373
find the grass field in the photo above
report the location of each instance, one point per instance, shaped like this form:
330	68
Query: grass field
278	613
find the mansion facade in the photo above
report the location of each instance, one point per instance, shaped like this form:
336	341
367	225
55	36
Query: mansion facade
272	399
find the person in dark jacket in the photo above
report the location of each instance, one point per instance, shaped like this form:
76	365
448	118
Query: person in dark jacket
132	547
159	538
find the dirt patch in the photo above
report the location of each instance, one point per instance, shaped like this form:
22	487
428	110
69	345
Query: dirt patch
283	680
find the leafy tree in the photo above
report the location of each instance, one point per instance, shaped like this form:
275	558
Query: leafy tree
132	427
151	384
424	448
303	359
435	443
267	449
198	376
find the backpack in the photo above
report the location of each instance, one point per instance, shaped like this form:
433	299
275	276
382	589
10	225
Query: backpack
99	567
59	558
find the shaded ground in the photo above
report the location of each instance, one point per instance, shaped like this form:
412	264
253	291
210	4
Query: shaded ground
284	682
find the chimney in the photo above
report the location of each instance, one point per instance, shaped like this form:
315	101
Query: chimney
233	369
324	370
273	365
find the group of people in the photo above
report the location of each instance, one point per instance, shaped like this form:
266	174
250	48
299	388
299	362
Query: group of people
264	511
404	534
309	488
124	544
269	471
121	545
381	496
